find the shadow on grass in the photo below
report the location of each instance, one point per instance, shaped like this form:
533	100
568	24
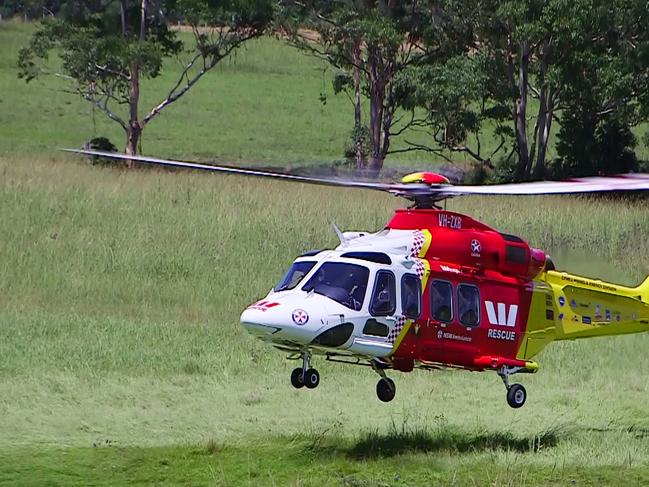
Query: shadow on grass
394	442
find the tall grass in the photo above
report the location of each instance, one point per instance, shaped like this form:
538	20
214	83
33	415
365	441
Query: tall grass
120	295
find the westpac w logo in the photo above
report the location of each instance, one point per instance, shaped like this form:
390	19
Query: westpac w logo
504	317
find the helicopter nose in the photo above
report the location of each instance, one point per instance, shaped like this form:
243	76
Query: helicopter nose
260	322
280	322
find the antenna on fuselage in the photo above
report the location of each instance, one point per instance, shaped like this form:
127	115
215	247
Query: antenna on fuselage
341	237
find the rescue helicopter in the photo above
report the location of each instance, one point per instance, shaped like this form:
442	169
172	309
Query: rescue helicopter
434	288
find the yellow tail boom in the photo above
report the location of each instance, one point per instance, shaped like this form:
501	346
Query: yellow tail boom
582	308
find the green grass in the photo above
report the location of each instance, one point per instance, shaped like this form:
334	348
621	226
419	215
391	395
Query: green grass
119	301
121	357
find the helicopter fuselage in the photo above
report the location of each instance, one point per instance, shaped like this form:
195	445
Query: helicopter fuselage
438	289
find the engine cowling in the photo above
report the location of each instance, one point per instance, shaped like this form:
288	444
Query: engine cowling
461	239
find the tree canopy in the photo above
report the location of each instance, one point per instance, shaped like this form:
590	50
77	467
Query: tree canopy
499	82
107	47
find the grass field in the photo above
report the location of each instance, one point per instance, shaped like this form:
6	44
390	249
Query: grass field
122	361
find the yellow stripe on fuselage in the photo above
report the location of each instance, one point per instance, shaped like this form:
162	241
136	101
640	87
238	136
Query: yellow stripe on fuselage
424	280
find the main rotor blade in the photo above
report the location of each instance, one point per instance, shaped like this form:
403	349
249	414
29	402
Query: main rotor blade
418	192
395	188
622	182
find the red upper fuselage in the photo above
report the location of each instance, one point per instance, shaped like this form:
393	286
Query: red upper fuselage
473	262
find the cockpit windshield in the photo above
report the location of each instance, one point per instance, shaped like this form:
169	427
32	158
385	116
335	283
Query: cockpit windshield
294	275
342	282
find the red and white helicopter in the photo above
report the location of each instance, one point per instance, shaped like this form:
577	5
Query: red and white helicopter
434	288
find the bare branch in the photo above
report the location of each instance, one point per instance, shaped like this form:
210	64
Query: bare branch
464	149
418	147
177	91
104	108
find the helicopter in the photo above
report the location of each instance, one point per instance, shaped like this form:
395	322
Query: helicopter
433	289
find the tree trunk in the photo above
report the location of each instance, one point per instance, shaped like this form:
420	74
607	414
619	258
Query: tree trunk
377	94
520	116
388	114
546	112
376	118
134	126
122	11
358	121
132	140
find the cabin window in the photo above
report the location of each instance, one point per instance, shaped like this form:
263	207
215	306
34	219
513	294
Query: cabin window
373	327
294	275
342	282
384	296
468	304
411	296
441	301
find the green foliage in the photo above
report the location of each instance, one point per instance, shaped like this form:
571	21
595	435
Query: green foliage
448	91
101	144
378	43
93	48
359	138
590	145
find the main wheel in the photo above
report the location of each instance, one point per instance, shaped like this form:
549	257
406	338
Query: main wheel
516	396
311	378
297	378
385	389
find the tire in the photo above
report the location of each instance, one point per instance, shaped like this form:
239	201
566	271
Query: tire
311	378
385	389
516	396
297	378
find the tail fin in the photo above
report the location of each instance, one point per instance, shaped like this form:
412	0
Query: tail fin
643	290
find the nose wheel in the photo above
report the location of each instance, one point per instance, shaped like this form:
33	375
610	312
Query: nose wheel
305	375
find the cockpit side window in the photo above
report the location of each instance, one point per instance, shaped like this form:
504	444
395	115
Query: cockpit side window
441	300
294	275
411	296
468	304
384	296
344	283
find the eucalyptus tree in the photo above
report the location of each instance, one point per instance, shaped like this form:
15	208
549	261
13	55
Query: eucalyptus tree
371	43
107	47
566	55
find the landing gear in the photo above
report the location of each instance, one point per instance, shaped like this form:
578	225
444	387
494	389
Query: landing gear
311	378
516	394
305	375
297	378
385	388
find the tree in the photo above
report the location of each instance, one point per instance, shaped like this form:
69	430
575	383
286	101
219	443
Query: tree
107	47
449	101
371	43
559	52
606	94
